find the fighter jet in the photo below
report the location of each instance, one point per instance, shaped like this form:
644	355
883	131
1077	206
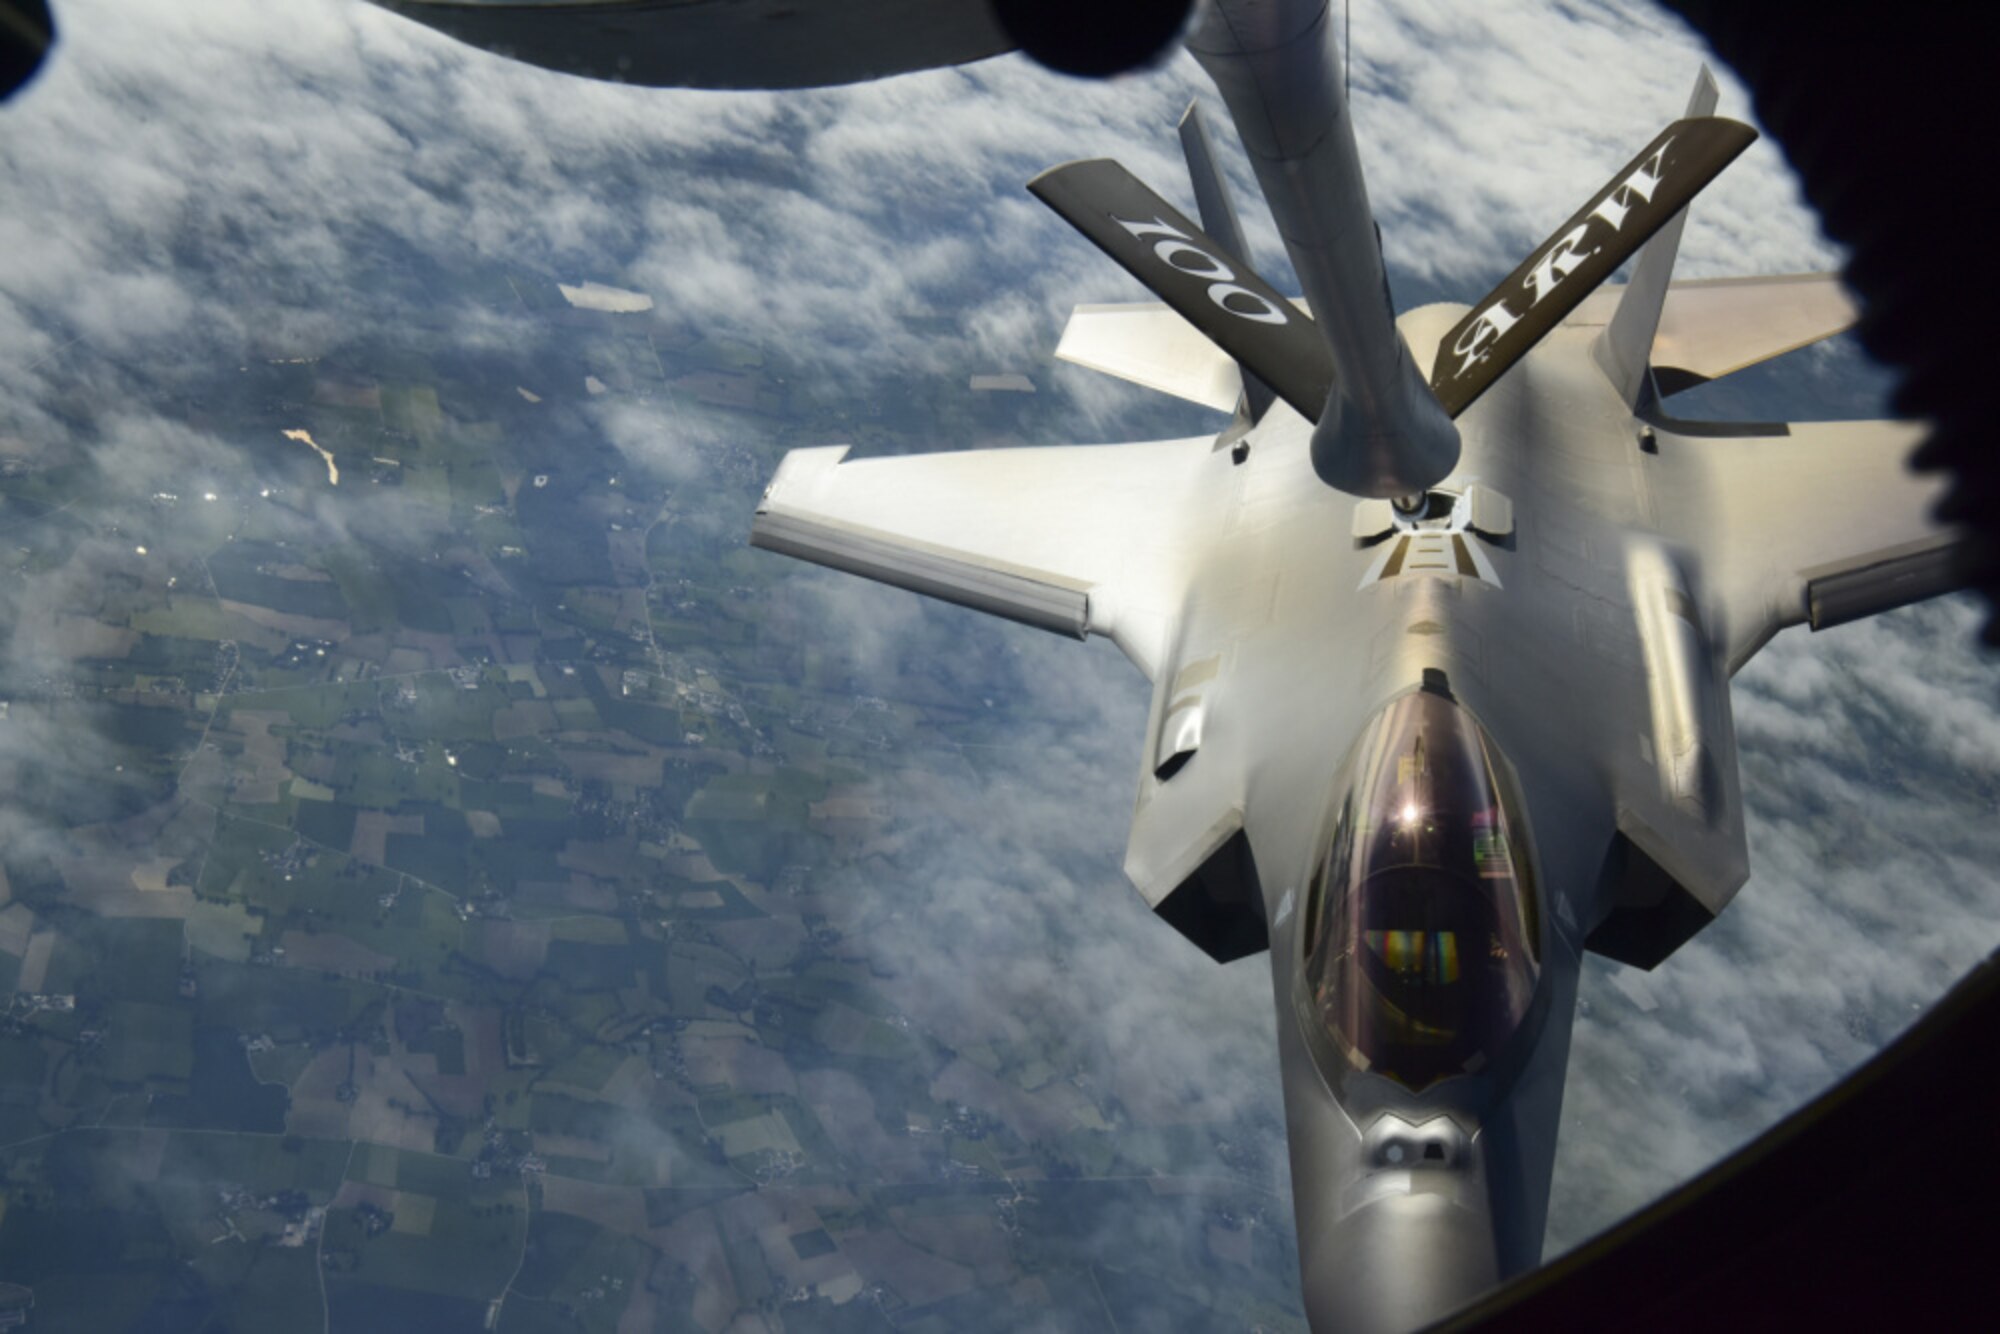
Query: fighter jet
1440	628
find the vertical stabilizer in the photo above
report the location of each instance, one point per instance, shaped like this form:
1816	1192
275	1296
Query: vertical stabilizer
1625	347
1219	220
1648	193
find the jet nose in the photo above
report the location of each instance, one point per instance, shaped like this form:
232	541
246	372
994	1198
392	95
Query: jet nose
1407	1257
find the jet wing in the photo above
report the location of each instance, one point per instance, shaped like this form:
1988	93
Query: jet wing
1077	539
1815	523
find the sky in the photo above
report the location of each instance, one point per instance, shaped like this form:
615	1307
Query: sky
190	185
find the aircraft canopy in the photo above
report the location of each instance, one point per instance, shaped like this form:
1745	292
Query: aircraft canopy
1421	928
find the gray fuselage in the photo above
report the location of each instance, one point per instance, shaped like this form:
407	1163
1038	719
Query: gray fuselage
1542	645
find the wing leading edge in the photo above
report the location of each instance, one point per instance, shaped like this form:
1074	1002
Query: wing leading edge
1076	539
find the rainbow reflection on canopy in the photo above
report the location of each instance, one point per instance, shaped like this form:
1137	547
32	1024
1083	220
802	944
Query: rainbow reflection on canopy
1421	928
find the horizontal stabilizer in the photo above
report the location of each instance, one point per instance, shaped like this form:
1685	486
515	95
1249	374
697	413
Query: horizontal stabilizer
1147	343
1193	273
1583	252
1712	327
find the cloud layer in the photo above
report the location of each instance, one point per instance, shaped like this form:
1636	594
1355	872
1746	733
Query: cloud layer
190	186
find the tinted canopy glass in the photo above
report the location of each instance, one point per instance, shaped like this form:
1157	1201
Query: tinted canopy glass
1421	931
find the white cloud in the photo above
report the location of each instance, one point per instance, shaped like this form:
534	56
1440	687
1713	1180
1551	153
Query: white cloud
189	184
1482	130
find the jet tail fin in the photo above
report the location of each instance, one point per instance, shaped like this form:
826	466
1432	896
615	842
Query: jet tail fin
1625	346
1218	219
1196	275
1648	193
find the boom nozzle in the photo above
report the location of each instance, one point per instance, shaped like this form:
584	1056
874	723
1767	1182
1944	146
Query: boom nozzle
1382	432
1402	447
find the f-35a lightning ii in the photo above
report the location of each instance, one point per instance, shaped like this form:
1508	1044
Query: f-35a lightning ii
1440	628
